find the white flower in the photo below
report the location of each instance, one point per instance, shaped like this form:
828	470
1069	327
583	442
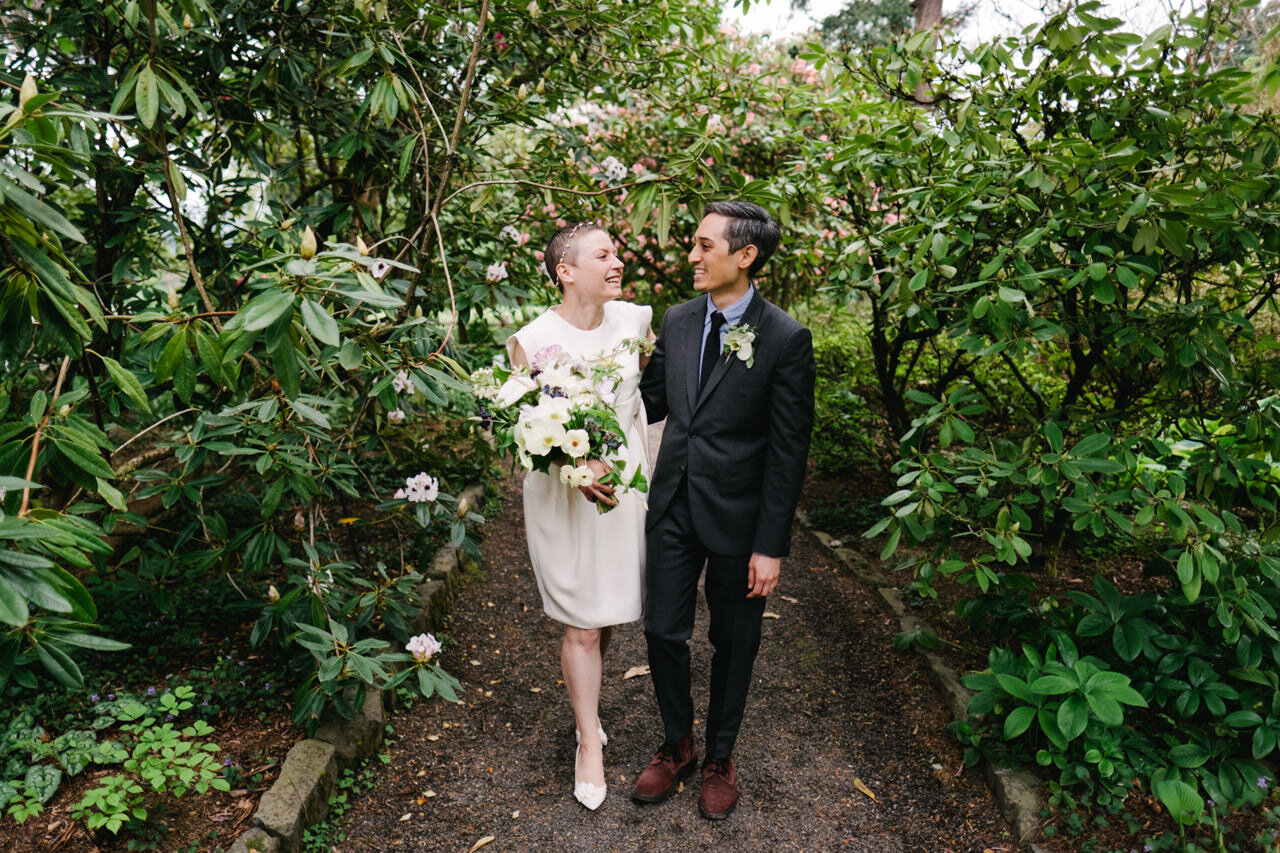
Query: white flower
576	443
557	409
496	272
715	125
740	339
510	232
581	476
513	389
542	436
422	488
378	269
402	383
318	584
423	647
396	416
484	385
400	494
613	169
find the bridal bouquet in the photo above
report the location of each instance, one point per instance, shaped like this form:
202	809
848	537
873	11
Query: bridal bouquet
560	412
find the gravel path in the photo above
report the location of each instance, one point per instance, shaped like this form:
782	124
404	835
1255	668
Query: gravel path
833	708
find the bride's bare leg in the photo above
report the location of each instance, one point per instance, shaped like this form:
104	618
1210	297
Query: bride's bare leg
580	661
606	634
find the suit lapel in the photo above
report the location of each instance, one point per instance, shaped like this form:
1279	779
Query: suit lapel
751	318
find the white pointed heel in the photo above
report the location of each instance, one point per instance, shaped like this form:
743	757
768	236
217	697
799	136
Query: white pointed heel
590	795
604	738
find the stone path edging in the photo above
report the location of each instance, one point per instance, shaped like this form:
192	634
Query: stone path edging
1016	791
299	798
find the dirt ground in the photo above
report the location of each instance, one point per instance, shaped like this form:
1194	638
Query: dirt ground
843	746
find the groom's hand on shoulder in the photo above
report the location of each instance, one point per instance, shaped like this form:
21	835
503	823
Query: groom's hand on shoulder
762	575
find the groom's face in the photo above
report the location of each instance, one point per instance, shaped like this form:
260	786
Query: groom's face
714	266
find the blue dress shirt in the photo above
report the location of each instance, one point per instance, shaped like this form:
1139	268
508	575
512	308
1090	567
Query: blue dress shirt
732	315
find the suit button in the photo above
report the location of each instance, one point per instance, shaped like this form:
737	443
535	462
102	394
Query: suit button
693	433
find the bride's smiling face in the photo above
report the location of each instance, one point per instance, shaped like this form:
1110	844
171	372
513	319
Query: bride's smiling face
595	272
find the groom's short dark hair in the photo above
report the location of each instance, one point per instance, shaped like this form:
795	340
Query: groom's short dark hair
749	225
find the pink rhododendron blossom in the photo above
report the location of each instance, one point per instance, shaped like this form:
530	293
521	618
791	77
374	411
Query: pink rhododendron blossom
423	647
748	119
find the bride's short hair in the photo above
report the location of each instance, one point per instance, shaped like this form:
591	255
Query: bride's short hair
562	250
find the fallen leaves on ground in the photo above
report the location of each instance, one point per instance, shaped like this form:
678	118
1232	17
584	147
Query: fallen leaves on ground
488	839
857	783
635	671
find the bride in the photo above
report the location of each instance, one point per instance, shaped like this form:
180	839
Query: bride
589	565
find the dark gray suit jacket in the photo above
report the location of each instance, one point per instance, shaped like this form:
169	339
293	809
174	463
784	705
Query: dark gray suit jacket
743	442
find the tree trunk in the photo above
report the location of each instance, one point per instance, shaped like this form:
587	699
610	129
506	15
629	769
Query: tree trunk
928	14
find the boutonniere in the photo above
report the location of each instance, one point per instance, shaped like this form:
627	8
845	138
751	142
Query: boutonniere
740	339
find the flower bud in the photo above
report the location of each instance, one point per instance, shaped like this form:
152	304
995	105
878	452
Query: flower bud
533	8
273	594
173	300
187	23
64	410
464	507
360	244
299	521
28	90
308	248
417	312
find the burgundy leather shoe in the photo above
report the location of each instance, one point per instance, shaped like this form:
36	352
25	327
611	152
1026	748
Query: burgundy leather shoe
673	762
719	788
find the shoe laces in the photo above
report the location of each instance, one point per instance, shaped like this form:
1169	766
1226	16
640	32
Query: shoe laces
718	766
669	752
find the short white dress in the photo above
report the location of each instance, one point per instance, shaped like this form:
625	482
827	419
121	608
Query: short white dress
589	565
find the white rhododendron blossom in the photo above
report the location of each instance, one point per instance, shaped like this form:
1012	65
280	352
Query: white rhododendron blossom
496	272
509	232
613	169
396	416
319	583
423	647
402	383
715	125
419	489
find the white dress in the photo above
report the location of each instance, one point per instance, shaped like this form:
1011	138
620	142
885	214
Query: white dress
590	565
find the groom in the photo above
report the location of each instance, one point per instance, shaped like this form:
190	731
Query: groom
733	376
